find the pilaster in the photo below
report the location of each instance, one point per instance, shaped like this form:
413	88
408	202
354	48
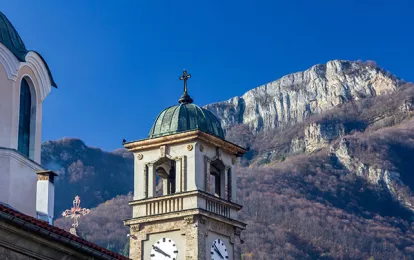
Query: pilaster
207	165
227	186
151	180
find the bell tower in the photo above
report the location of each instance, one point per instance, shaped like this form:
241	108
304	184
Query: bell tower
185	201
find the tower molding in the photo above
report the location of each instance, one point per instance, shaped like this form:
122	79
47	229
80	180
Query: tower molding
147	144
13	67
10	62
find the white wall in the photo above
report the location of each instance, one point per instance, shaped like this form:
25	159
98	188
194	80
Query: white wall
4	177
7	107
20	180
45	199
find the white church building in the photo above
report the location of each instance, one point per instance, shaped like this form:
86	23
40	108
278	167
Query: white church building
26	188
25	82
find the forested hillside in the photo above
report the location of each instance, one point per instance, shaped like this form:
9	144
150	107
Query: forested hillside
336	184
95	175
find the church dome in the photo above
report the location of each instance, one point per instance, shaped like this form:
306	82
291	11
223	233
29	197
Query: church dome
11	39
185	117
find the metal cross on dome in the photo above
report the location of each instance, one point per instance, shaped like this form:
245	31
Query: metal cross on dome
185	98
75	213
185	77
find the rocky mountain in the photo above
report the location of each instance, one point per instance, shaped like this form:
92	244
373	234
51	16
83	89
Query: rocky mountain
295	97
329	174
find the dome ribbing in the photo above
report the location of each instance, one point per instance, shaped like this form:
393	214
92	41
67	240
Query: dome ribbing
183	118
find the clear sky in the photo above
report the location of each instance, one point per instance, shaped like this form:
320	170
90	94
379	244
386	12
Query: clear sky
117	62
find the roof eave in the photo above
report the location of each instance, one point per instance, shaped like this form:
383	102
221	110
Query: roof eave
52	81
151	143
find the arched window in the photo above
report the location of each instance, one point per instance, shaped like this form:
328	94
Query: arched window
217	178
24	118
164	177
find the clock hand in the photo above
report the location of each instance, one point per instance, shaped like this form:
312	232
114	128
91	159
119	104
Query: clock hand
218	251
157	249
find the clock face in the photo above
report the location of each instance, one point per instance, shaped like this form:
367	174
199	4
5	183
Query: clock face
219	250
164	249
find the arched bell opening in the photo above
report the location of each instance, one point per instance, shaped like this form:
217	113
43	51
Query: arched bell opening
165	175
217	178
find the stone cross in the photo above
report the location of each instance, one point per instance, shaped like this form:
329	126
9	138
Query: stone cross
75	213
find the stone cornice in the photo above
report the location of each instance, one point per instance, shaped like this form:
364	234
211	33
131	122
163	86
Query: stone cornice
14	154
152	143
181	214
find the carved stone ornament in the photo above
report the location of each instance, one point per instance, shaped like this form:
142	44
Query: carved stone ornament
237	231
202	220
140	156
190	147
163	150
201	147
135	228
189	220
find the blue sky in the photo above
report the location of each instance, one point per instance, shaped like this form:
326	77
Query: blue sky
117	62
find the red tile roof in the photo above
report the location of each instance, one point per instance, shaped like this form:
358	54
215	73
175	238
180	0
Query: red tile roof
60	232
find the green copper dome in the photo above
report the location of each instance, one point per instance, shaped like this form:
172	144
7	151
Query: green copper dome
10	38
186	117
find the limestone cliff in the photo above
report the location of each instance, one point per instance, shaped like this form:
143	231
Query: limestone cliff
377	175
356	109
294	97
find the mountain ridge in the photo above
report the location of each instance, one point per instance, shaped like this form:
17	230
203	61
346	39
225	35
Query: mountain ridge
335	183
297	95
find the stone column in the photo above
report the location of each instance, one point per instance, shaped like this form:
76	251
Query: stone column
223	183
233	183
178	175
137	236
165	186
145	182
207	162
139	178
227	185
237	243
151	180
195	231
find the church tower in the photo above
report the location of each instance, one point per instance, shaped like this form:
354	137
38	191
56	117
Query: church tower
25	82
185	200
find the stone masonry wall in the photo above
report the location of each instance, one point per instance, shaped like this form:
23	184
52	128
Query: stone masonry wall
194	230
